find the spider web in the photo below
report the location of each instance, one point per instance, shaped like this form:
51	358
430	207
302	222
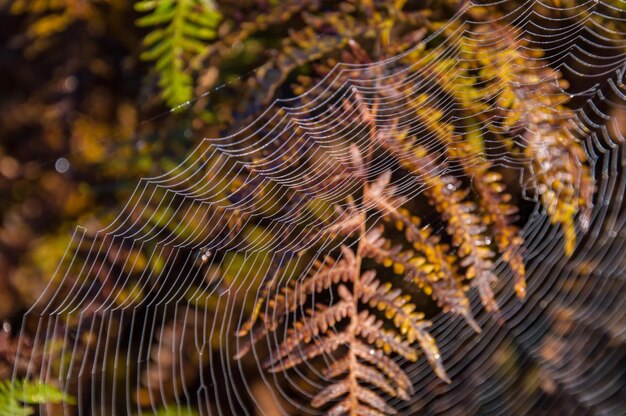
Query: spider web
561	351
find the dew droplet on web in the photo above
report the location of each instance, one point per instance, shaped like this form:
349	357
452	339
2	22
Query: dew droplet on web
62	165
70	84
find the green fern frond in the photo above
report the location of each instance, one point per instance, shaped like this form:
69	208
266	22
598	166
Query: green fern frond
17	396
180	30
175	410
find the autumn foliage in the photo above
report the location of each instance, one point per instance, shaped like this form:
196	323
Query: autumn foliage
405	205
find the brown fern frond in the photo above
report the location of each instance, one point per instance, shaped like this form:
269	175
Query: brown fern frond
371	321
317	321
371	376
410	323
531	100
322	345
565	185
371	329
493	199
433	269
464	225
494	203
497	214
322	275
381	360
416	267
347	221
467	231
367	362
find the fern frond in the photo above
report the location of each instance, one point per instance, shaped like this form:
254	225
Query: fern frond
397	308
321	345
347	222
175	410
369	346
495	205
467	231
444	192
464	225
317	322
322	276
16	396
371	329
433	268
531	101
444	289
371	318
180	30
493	201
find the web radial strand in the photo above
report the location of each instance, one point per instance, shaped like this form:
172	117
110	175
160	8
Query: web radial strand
157	297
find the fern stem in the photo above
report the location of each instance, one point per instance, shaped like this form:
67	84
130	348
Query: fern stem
352	329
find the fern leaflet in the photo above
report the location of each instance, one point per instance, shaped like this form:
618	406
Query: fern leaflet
180	31
15	397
